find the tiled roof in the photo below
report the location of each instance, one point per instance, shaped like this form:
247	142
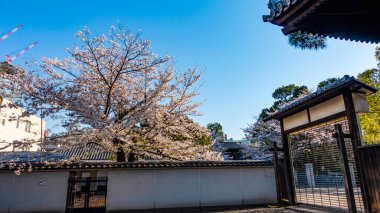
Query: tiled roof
87	152
339	19
231	145
142	165
81	152
32	156
341	83
278	7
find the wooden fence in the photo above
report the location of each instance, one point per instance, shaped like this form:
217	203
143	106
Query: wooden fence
283	186
370	166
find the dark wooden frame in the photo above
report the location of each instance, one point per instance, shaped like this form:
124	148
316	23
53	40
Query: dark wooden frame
353	124
356	143
86	190
288	166
276	173
340	136
287	158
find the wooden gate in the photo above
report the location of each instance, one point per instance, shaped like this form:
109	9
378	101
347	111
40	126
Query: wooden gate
322	122
370	165
324	167
88	194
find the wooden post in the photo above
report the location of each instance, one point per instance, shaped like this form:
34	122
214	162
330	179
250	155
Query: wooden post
277	176
87	192
356	142
288	166
345	169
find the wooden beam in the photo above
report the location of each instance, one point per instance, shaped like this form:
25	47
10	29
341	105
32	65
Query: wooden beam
290	12
276	173
313	123
288	166
353	125
294	23
348	186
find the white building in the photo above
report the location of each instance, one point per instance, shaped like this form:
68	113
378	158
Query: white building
18	132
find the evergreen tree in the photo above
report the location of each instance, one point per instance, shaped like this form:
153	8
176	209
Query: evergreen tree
307	41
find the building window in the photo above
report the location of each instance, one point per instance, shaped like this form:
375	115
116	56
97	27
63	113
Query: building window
28	125
18	123
3	122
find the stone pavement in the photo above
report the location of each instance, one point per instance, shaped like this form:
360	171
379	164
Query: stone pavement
264	210
290	209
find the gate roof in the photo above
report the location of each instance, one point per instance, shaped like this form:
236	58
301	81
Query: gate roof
347	83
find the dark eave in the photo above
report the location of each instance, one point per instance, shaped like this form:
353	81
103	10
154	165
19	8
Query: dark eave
323	94
342	19
297	12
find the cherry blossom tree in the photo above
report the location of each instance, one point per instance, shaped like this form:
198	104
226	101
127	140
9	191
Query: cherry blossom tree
263	134
113	90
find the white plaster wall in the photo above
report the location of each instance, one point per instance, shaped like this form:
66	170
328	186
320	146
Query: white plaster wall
259	186
168	188
221	187
130	189
327	108
176	188
296	120
33	192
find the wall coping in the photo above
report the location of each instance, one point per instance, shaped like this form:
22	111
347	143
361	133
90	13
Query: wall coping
64	165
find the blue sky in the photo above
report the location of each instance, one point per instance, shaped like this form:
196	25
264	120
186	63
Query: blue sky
244	59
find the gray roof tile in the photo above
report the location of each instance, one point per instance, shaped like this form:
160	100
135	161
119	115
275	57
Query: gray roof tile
346	80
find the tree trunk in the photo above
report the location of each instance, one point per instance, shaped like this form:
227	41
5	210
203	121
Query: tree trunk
120	154
132	156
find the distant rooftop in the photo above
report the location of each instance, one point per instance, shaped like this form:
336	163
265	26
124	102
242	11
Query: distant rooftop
231	145
87	152
90	152
31	156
